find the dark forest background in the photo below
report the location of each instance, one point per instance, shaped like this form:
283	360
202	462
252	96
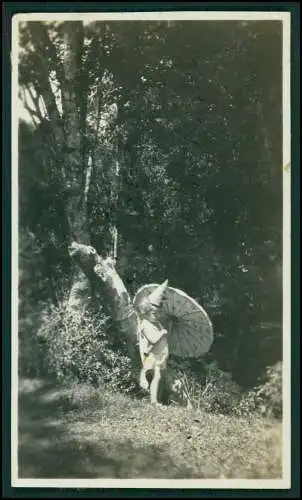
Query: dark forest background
192	113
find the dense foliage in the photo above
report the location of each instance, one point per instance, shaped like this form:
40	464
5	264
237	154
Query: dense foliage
191	111
78	348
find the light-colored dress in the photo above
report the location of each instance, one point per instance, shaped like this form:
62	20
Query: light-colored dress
153	344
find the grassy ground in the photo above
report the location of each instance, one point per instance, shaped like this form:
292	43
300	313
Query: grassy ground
78	432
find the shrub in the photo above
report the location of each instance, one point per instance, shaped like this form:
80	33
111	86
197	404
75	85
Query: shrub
213	391
266	398
78	348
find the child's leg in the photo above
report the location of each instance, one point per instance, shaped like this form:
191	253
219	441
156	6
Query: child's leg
154	385
143	382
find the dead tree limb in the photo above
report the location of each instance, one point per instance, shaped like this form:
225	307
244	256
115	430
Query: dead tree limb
117	302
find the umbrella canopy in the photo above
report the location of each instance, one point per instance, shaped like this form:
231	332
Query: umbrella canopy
190	331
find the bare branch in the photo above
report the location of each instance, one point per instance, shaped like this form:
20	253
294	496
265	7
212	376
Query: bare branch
34	113
35	100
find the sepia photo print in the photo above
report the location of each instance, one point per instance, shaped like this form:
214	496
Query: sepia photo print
151	250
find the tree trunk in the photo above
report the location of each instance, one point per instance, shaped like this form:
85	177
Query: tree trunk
80	293
74	162
101	272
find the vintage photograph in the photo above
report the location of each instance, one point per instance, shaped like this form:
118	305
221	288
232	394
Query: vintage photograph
151	166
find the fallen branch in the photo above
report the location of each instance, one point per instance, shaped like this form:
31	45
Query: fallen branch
102	273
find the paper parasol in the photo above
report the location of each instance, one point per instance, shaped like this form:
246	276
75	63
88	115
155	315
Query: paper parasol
190	331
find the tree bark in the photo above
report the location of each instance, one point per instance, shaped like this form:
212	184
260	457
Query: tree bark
80	293
74	162
102	274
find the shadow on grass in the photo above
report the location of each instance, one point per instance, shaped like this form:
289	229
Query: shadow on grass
48	450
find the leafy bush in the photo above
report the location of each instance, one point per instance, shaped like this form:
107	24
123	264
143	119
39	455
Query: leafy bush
78	348
213	391
266	398
32	302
